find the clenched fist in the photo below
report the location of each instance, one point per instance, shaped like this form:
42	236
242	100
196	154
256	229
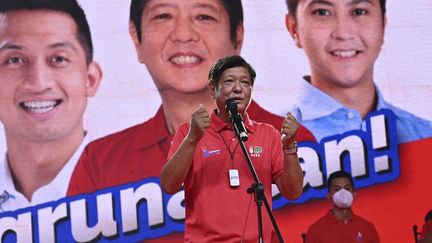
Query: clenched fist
289	130
199	121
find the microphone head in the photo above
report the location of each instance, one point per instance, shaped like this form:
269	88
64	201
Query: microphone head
231	105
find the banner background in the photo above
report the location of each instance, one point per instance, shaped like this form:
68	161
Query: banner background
127	95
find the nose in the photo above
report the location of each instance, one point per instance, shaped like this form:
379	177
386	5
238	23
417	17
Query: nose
37	78
237	87
343	29
184	30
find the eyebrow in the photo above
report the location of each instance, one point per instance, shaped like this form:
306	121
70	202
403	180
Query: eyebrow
172	5
64	44
342	184
206	6
159	5
11	46
317	2
328	3
241	76
355	2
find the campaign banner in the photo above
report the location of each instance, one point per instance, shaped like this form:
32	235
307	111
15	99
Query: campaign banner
110	191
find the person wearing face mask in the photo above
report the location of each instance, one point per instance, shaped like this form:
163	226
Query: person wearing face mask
340	224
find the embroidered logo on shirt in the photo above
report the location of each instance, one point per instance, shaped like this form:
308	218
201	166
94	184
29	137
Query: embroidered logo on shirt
207	153
255	151
359	236
4	196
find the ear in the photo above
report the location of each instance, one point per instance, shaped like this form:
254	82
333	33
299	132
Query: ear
239	38
291	25
212	91
94	76
328	196
134	35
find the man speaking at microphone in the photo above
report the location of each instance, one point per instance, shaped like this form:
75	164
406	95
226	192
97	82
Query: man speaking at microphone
206	158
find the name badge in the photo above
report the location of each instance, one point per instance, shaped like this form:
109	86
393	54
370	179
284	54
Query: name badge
234	177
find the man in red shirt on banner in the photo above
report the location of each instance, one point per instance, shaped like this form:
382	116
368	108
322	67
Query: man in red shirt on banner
178	41
206	157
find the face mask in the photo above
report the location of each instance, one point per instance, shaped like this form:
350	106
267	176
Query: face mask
343	198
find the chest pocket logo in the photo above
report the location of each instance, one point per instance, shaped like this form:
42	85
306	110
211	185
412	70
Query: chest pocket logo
255	151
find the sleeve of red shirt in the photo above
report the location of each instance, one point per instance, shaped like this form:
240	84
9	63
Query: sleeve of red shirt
179	136
178	139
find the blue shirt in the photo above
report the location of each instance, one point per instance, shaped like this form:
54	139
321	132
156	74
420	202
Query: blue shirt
324	116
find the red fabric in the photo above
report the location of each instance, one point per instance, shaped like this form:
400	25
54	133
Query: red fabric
140	152
329	229
127	156
123	157
216	212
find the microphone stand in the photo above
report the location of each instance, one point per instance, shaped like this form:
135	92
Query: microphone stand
258	189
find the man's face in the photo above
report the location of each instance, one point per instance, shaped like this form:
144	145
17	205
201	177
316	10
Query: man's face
234	83
181	39
45	80
341	38
339	183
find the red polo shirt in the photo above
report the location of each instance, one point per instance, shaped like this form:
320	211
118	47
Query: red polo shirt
330	229
126	156
216	211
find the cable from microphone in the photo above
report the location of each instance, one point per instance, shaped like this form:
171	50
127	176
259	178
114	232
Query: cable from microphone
236	119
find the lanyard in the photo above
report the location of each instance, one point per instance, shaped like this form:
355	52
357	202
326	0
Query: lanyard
229	150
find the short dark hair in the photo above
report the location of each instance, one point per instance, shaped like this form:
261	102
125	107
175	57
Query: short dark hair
339	174
428	216
229	62
233	7
292	7
70	7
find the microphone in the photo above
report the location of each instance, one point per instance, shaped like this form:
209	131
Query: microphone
236	119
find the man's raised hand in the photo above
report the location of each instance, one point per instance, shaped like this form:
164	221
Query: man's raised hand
199	121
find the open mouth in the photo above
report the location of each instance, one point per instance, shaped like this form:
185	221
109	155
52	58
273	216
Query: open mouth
350	53
236	99
40	107
185	59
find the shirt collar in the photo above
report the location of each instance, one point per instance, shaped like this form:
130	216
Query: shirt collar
61	181
381	104
152	131
218	124
57	187
6	183
316	103
333	219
